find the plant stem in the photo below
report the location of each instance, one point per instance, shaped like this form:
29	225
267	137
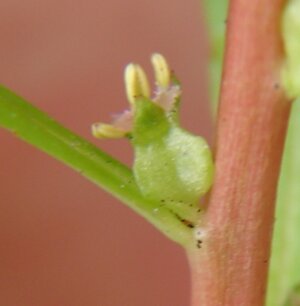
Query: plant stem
38	129
231	267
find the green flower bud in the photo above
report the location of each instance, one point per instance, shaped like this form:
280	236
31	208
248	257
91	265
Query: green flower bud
291	37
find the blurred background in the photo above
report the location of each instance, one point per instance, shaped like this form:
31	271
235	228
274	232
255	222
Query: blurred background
63	241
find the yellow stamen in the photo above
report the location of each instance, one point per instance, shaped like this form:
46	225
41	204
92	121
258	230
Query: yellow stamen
161	70
102	130
136	83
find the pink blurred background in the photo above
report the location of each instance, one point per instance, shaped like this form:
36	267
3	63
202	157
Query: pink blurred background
63	241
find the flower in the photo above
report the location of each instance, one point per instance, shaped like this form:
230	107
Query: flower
171	166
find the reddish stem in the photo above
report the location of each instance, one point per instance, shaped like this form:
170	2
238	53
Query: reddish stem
231	267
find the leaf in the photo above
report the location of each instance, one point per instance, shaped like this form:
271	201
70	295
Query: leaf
38	129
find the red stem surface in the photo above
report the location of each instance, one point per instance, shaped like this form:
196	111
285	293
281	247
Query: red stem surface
231	267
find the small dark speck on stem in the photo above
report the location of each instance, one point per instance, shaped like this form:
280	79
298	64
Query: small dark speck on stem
199	243
190	225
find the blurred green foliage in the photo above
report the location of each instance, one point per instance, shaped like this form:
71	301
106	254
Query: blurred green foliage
215	14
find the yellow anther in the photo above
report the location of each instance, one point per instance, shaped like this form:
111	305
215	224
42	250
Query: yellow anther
161	70
102	130
136	83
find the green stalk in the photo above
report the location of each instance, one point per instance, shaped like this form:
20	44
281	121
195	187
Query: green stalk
38	129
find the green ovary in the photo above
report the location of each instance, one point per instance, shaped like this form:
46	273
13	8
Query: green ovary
175	168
